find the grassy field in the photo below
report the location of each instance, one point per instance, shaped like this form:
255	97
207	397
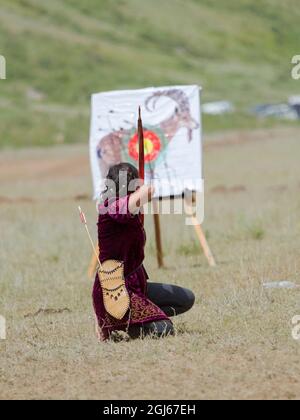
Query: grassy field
59	52
235	343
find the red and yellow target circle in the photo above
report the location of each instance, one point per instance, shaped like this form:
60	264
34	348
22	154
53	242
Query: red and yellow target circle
152	146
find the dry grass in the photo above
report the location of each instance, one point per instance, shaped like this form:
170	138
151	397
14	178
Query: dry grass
235	343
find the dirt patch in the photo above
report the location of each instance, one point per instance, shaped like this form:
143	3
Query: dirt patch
29	200
235	138
47	311
222	189
12	170
278	188
20	200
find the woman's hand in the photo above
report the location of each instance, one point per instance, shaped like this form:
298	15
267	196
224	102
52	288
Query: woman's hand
139	198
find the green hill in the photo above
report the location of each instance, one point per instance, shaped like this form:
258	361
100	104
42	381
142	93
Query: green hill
60	51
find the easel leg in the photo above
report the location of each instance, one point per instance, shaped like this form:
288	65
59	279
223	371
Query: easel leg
204	243
159	251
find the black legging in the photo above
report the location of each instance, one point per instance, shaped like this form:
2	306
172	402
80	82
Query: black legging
173	300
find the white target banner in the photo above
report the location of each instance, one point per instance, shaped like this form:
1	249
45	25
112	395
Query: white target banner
172	132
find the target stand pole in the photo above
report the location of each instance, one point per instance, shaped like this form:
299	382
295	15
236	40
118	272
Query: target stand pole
159	251
203	241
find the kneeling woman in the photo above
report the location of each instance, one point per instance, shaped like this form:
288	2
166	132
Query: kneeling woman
122	237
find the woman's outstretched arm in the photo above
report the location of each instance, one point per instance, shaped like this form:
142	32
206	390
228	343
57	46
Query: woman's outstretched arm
139	198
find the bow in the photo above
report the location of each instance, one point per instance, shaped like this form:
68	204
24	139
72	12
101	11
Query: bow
141	153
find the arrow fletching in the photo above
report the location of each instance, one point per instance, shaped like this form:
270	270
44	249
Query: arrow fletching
82	216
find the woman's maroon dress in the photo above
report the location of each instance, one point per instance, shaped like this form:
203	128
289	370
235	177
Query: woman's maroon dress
122	237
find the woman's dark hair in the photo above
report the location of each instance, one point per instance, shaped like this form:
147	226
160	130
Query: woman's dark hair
119	181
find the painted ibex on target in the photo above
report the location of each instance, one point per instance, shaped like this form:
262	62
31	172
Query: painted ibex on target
181	118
